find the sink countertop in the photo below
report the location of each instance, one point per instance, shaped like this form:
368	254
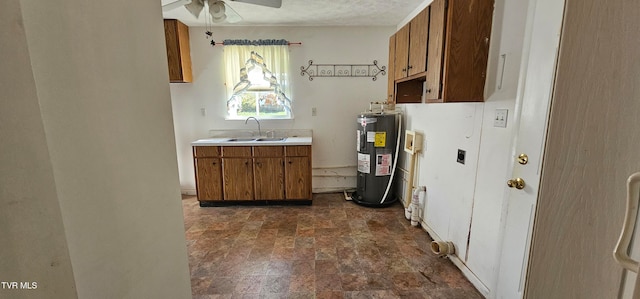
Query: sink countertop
224	142
221	137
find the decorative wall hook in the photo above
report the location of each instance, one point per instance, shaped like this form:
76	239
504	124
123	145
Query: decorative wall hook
343	70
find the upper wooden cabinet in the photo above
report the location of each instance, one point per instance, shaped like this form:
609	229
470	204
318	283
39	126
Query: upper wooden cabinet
435	47
391	74
178	52
418	35
447	53
402	52
411	46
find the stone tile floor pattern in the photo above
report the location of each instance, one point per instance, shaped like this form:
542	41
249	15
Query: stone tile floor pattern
331	249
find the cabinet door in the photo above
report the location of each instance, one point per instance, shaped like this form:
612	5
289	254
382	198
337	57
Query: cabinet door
418	43
391	78
435	50
402	52
178	52
237	178
298	178
208	179
467	50
269	178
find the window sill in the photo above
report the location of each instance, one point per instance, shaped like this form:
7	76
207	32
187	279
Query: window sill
259	118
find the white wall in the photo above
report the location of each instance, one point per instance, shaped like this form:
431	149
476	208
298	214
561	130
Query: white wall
99	106
464	203
337	100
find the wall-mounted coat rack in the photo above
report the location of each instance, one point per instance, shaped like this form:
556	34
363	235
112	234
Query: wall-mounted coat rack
343	70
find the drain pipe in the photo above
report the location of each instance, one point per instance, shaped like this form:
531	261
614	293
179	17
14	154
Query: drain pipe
395	160
442	248
415	205
408	209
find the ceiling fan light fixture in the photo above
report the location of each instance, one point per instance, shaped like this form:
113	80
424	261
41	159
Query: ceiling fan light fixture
219	19
195	7
217	9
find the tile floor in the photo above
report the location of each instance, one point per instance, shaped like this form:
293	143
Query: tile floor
331	249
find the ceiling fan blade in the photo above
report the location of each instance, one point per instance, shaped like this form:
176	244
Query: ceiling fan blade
173	4
195	7
269	3
232	15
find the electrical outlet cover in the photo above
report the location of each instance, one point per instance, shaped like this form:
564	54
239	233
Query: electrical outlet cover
500	118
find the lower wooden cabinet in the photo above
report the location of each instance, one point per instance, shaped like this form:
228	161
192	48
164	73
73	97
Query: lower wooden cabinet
298	178
237	178
209	178
242	173
297	172
268	176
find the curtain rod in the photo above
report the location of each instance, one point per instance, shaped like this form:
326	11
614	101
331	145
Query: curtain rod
260	42
213	43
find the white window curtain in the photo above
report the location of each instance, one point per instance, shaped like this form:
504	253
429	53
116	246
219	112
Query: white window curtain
276	58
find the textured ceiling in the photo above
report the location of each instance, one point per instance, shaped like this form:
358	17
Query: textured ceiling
311	13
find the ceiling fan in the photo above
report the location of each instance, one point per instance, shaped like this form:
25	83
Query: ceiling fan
219	10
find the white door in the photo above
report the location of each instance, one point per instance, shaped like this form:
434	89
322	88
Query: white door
537	76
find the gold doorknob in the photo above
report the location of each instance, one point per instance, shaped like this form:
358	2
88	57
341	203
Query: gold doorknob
517	183
523	159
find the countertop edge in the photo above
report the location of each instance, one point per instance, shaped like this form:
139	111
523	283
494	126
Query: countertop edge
223	142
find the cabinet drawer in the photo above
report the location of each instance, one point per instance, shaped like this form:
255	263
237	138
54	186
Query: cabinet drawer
236	151
206	151
298	150
268	151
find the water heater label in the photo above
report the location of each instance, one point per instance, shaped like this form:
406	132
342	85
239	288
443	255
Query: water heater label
380	139
364	163
383	164
371	136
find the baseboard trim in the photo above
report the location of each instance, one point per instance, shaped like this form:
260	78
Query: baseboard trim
188	192
226	203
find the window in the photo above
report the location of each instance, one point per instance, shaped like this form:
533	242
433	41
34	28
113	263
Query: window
257	85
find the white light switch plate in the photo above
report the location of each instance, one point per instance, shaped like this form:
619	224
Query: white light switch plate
500	118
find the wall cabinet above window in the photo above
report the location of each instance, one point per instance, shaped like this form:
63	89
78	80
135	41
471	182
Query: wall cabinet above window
441	55
178	52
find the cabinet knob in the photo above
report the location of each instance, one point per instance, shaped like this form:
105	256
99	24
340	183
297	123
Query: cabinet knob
410	67
290	162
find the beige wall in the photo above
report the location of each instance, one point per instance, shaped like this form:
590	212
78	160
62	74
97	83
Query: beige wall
34	247
99	106
592	147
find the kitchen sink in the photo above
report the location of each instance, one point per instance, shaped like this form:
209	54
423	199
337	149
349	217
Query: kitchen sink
271	139
263	139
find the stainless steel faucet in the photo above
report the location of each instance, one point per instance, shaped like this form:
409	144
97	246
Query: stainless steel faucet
250	117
